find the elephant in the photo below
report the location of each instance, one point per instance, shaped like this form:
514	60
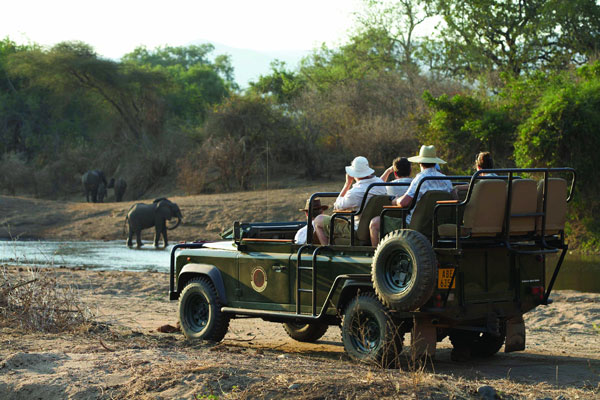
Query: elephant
119	186
91	180
101	192
143	216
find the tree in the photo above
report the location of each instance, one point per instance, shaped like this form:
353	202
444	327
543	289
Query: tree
282	84
515	36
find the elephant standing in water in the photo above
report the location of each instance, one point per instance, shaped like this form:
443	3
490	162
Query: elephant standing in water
119	185
91	180
143	216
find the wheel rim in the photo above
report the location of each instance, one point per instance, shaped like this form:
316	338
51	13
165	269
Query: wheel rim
197	312
398	271
365	333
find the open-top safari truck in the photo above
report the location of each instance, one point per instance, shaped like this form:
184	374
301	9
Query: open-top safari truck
468	269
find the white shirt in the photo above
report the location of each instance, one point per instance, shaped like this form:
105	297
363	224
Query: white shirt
353	198
426	186
398	190
300	237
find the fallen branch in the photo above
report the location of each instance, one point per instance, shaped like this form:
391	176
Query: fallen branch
105	346
20	285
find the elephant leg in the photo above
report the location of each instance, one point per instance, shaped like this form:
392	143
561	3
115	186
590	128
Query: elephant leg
94	195
156	236
138	238
129	238
164	233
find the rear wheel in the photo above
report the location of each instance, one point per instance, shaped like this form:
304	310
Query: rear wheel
305	332
369	333
200	315
404	270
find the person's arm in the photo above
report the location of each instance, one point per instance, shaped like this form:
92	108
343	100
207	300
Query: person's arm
403	201
339	202
386	174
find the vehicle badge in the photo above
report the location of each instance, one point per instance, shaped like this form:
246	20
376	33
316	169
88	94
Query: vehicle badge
258	279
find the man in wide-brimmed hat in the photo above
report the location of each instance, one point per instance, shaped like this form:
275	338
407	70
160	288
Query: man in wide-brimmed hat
427	159
317	209
349	198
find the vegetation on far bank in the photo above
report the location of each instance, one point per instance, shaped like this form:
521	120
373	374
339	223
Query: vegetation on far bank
520	79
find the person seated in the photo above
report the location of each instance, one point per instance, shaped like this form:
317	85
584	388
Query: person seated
427	160
483	160
317	209
401	169
350	198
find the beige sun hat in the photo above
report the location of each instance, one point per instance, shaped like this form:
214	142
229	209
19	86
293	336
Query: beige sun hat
359	168
427	156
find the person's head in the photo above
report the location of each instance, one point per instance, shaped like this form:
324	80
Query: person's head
359	169
401	167
317	208
484	161
427	157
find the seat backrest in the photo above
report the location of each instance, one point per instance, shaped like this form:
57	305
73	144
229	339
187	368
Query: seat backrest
372	209
422	217
523	201
556	205
484	213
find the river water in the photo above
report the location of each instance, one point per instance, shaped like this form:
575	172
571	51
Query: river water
577	273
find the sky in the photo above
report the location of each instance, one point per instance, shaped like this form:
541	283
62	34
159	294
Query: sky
115	28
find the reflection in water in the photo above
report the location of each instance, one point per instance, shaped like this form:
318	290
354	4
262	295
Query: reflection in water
577	273
98	255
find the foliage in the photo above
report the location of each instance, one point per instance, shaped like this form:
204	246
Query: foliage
463	125
480	37
282	84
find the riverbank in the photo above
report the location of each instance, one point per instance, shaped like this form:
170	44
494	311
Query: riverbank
118	353
205	216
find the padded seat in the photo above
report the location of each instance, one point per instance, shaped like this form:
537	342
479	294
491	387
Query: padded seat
372	209
484	212
556	206
422	216
523	201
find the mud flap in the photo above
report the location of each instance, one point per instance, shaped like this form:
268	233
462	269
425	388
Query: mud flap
423	338
515	334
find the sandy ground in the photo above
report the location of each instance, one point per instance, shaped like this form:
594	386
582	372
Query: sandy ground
120	354
123	356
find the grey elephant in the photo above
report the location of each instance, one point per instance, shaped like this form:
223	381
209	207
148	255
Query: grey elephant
91	180
143	216
119	186
101	192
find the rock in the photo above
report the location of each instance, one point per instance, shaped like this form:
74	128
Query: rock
293	386
168	329
282	356
486	392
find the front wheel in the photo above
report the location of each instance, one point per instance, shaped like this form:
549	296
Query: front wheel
369	333
305	332
200	315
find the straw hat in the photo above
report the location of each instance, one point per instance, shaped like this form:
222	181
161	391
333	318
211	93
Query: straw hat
427	156
359	168
316	205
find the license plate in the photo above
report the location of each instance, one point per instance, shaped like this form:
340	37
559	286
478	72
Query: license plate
444	278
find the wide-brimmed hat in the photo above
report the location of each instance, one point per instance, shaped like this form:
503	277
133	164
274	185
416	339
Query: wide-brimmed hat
316	205
427	156
359	168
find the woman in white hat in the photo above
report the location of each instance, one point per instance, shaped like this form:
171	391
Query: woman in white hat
427	159
349	198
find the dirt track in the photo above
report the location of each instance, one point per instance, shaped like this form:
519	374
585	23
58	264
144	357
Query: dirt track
129	358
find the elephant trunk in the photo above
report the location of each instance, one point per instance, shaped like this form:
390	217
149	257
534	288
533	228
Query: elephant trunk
176	225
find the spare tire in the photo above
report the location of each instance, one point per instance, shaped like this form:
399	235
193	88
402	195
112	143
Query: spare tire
404	270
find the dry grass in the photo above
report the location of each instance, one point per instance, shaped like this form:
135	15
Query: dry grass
35	301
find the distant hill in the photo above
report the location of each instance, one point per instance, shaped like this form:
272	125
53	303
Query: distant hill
250	64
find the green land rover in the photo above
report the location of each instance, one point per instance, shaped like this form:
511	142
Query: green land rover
467	268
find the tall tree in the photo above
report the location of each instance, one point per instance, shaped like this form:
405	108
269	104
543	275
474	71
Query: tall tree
514	36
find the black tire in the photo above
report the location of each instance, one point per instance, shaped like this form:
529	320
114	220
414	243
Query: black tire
305	332
369	333
480	344
404	270
200	315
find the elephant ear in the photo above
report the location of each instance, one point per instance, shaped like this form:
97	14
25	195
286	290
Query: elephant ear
163	206
160	199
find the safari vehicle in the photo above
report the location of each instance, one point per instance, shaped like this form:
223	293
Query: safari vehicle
468	269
